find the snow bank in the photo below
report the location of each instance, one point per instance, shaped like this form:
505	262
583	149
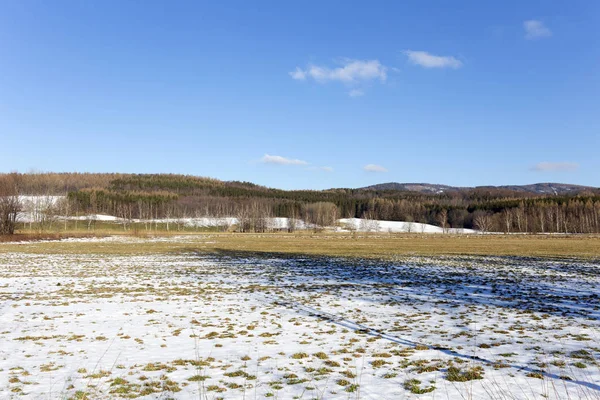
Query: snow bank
365	225
33	200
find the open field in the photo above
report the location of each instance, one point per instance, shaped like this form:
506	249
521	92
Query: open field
256	316
324	244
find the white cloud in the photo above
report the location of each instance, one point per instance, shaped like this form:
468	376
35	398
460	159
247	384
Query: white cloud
356	93
298	74
279	160
351	71
555	166
374	168
535	29
428	60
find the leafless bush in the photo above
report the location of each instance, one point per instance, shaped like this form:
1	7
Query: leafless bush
9	204
320	215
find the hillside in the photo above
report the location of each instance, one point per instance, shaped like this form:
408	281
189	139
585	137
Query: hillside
542	207
536	188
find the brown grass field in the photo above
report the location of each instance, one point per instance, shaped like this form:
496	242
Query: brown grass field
330	244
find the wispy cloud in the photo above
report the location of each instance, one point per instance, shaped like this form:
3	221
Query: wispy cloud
535	29
298	74
351	71
374	168
279	160
555	166
325	169
356	93
428	60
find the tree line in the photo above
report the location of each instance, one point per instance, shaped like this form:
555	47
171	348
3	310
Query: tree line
177	197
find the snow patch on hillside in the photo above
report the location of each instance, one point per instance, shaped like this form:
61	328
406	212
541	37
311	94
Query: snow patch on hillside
366	225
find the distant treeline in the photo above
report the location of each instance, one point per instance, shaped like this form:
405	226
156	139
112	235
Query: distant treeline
157	196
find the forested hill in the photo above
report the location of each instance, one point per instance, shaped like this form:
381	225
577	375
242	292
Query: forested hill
531	208
60	183
536	188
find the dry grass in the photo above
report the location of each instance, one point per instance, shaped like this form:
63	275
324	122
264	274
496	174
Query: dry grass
34	236
365	246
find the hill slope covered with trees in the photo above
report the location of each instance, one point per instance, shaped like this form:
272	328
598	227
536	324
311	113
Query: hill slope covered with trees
155	196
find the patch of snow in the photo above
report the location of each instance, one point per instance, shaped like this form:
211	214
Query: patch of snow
33	200
78	322
364	225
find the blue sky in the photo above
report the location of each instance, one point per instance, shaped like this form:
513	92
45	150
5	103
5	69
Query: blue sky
304	94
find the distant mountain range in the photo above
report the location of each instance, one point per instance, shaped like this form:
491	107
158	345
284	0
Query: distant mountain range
536	188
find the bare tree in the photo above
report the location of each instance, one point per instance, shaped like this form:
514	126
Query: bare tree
320	215
66	209
243	218
42	211
507	218
91	221
542	218
182	220
482	221
519	214
368	222
442	218
9	204
125	212
291	221
350	226
259	216
168	214
409	226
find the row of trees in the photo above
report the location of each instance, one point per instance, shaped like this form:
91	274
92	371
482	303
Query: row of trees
577	215
574	216
176	198
251	214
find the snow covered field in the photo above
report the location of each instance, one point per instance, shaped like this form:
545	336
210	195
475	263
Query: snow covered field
239	326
